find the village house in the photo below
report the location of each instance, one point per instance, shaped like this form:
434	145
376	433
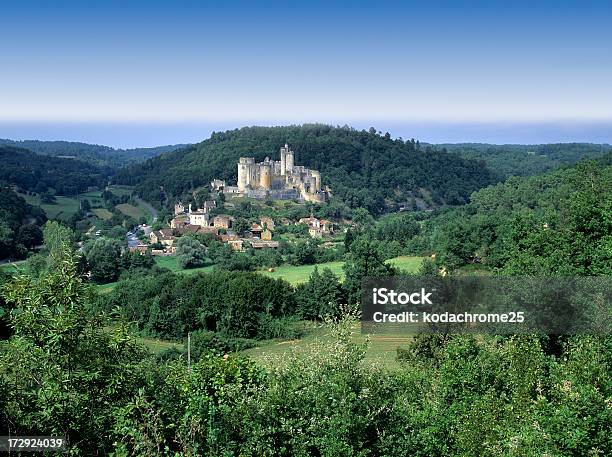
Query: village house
163	236
227	238
256	229
222	221
179	222
188	228
179	208
236	245
267	222
317	228
198	217
141	248
266	235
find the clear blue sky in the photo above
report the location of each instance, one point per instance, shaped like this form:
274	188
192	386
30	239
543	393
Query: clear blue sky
129	73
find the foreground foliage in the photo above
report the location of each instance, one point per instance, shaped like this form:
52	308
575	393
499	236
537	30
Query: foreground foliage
62	373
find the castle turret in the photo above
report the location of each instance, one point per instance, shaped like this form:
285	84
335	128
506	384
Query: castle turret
265	178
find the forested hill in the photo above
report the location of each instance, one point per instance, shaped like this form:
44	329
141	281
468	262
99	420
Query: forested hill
558	223
93	153
527	160
36	173
362	168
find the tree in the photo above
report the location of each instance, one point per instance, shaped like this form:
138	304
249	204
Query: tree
190	253
62	371
304	253
29	235
321	296
85	205
6	240
241	226
364	261
104	259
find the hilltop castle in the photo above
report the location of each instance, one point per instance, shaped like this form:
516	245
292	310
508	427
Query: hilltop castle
280	180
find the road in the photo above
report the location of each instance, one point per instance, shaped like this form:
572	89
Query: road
132	240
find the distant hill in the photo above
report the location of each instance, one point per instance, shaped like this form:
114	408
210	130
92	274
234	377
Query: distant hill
362	168
38	173
92	153
526	160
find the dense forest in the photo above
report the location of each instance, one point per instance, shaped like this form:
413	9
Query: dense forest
526	160
559	222
38	173
19	225
363	168
104	156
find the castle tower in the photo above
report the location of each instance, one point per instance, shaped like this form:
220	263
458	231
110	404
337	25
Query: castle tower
283	154
265	178
288	161
317	180
244	172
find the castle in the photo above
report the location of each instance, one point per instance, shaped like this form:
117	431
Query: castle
280	180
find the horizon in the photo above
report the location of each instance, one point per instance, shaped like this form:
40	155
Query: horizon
438	71
144	135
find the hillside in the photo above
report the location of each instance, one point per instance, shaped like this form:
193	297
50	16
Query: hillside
92	153
526	160
35	173
556	223
362	168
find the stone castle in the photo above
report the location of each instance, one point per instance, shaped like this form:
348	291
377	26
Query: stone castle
280	180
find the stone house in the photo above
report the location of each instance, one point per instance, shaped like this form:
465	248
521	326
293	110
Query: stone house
222	221
267	222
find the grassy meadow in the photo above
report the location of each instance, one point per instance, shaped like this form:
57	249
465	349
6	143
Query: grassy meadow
381	350
64	207
102	213
301	273
130	210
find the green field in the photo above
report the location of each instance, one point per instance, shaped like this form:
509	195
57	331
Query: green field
156	346
12	267
382	349
102	213
64	207
120	191
409	264
94	197
301	273
130	210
